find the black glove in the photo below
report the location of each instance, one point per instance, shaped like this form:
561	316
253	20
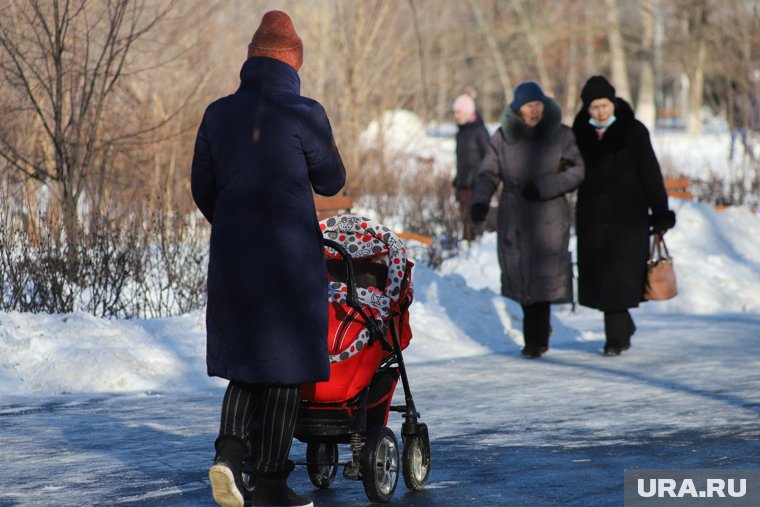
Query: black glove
661	222
530	191
478	212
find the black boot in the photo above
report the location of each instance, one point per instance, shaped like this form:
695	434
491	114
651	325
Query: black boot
226	472
618	329
536	329
271	490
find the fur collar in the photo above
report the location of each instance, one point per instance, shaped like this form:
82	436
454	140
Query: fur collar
513	129
615	136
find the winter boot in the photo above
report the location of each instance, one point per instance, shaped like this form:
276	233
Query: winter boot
631	330
226	472
271	490
618	329
536	329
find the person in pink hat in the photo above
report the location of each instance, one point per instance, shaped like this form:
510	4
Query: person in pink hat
259	154
472	142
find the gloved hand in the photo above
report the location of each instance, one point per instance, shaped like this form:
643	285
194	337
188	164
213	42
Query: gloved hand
530	191
478	212
661	222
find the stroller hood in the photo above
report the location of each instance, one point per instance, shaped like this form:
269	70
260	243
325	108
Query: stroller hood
365	239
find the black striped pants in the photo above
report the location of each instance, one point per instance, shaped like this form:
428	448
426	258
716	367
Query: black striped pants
272	409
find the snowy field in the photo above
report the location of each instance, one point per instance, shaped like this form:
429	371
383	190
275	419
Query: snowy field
110	412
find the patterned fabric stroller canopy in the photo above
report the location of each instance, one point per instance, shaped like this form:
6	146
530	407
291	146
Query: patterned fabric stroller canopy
366	239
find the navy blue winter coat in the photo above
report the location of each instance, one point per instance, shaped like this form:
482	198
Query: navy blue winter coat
258	154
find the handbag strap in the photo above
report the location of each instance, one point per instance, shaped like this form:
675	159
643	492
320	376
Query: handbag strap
658	246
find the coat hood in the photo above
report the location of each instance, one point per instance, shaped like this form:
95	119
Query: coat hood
513	129
269	75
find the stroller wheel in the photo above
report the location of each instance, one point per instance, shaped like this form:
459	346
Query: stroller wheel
415	466
322	463
380	464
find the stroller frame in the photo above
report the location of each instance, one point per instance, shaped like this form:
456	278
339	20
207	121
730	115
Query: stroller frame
360	422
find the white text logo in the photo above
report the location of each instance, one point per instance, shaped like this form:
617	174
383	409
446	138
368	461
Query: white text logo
685	488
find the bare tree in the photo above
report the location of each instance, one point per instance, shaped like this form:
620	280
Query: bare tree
63	60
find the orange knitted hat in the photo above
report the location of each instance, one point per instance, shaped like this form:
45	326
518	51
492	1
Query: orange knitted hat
276	38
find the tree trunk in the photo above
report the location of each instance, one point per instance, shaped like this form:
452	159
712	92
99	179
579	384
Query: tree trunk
493	47
645	105
33	215
619	62
70	219
422	62
696	27
589	49
696	91
571	86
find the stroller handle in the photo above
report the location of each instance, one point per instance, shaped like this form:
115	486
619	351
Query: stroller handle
351	298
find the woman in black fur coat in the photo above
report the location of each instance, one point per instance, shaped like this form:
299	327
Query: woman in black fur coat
621	201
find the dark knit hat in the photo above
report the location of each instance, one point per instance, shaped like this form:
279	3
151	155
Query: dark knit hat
528	91
276	38
597	87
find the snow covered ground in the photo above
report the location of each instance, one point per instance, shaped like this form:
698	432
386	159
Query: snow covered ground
457	313
110	412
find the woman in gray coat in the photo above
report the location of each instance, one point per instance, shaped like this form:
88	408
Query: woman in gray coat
536	159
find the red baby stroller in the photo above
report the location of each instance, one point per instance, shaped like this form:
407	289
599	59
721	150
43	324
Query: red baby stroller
370	291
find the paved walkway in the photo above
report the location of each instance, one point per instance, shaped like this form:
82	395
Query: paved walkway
505	431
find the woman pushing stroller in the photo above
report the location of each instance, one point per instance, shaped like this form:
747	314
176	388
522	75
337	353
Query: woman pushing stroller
258	154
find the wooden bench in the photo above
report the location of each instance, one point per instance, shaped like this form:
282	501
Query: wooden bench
334	205
679	188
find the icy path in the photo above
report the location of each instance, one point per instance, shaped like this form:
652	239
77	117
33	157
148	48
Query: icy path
505	431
